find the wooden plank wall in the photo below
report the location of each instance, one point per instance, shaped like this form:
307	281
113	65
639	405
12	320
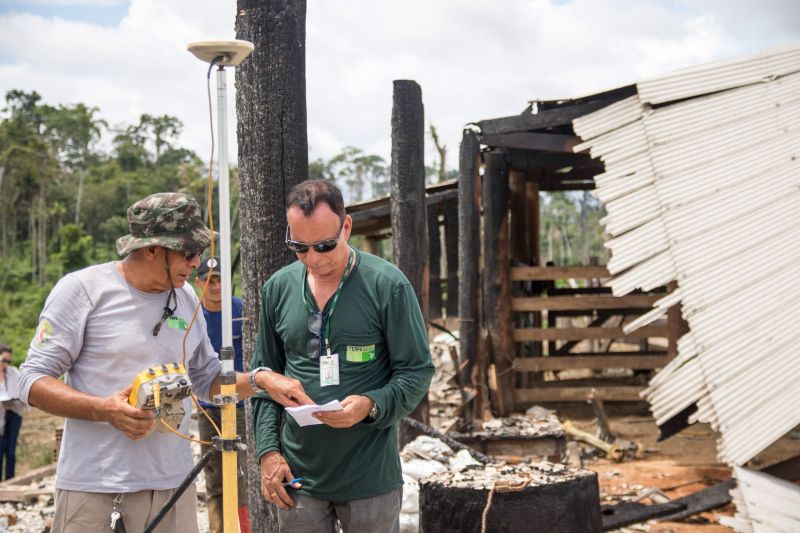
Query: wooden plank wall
557	346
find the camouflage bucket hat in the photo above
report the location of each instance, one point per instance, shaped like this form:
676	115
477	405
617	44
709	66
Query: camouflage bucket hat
168	219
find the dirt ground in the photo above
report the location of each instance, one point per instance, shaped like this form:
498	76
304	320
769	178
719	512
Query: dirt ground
678	466
36	443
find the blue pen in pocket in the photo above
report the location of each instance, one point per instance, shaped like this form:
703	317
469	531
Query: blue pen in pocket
292	482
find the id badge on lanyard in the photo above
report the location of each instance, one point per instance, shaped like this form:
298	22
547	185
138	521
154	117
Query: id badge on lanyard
329	369
329	363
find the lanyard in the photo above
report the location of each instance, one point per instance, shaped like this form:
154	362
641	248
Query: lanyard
326	324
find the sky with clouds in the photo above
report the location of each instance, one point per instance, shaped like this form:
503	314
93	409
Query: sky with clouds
473	59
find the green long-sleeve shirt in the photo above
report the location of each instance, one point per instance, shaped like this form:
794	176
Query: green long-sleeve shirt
377	312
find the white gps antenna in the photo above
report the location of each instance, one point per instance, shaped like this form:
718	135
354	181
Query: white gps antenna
223	54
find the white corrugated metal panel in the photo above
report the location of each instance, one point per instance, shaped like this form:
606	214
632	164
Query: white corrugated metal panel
610	118
704	189
764	504
721	75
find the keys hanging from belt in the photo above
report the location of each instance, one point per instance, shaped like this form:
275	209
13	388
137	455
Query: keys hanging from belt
117	525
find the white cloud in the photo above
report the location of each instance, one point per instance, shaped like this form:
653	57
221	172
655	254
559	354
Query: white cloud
473	60
73	3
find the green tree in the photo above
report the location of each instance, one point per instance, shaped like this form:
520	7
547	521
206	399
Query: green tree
75	248
354	171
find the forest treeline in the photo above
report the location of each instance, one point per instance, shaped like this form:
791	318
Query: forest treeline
67	178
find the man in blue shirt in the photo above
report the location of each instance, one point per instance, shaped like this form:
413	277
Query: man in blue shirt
208	271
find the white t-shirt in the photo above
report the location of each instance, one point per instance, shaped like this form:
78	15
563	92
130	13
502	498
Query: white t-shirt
97	331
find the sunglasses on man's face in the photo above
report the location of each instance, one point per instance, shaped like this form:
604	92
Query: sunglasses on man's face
189	255
321	247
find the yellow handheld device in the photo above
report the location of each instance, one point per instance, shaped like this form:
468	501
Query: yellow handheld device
162	388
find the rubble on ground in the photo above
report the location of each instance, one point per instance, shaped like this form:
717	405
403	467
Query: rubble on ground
536	422
34	513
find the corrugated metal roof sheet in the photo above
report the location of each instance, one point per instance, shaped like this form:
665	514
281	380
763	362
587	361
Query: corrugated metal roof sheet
721	75
764	504
704	189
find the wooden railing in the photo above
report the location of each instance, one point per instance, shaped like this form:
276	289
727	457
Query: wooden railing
588	301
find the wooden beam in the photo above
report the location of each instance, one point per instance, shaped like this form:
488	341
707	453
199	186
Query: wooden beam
451	255
546	142
534	222
545	119
31	476
625	513
568	334
435	263
548	273
610	96
519	217
577	394
576	303
409	216
542	364
530	160
497	275
383	207
568	186
574	174
469	184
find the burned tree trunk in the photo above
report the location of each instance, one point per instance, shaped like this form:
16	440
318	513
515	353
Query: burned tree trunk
515	502
468	251
409	215
497	281
273	157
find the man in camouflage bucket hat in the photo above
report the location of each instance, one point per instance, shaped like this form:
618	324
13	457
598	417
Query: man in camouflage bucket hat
97	330
168	219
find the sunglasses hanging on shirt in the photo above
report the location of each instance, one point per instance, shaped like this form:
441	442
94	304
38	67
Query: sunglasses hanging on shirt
168	311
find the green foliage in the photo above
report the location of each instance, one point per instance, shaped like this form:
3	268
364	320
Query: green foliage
63	200
20	313
33	453
361	176
571	233
75	248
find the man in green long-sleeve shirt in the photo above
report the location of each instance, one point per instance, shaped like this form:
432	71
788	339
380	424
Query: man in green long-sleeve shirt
347	326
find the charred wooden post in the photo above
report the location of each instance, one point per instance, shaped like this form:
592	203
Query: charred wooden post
517	182
273	157
497	280
451	256
518	244
408	212
511	499
534	246
534	221
468	251
435	262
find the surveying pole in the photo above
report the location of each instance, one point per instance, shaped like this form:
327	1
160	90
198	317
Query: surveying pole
223	54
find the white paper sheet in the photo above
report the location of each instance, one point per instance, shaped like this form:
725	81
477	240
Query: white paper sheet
302	414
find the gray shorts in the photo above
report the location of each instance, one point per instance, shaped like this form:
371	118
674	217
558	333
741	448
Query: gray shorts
90	512
379	514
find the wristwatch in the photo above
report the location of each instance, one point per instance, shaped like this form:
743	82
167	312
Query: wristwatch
374	413
253	384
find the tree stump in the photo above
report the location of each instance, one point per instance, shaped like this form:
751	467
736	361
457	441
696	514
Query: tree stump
547	498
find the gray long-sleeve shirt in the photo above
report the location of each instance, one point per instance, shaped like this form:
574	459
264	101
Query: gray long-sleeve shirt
97	331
